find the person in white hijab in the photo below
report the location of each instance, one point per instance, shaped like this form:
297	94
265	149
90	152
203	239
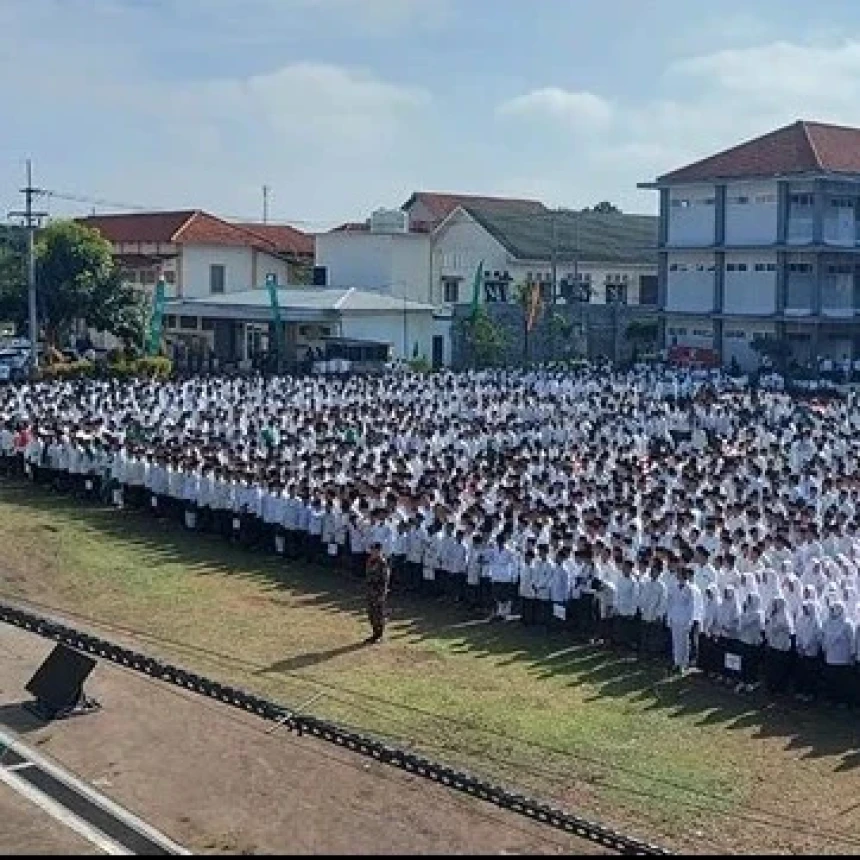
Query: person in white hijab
751	636
808	644
779	637
728	620
837	639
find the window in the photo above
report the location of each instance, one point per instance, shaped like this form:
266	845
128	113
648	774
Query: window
765	267
763	199
702	332
130	276
451	291
736	267
739	199
207	325
170	321
217	278
709	201
735	334
188	322
800	268
801	199
678	332
681	204
840	270
147	276
678	267
170	277
842	203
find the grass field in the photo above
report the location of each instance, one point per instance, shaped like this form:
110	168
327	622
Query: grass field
679	762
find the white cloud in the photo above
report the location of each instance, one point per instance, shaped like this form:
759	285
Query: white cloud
100	121
577	109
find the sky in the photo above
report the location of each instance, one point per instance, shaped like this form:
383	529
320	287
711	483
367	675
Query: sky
345	106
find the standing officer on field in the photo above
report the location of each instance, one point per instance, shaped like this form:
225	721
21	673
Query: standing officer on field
378	579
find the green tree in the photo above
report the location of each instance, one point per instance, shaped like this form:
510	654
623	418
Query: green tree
13	276
78	279
603	208
487	340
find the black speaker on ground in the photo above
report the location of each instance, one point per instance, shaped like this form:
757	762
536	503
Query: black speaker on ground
58	685
320	276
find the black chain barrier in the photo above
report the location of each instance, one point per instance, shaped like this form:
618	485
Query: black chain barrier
303	724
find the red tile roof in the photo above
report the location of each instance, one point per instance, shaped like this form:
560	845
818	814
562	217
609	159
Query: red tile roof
441	205
139	227
185	227
288	239
802	147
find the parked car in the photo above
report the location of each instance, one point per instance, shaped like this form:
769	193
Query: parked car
14	364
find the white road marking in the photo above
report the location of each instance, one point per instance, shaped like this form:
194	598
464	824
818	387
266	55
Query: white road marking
22	766
59	813
105	803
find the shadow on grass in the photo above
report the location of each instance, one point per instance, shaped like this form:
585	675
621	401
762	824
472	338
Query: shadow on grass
816	730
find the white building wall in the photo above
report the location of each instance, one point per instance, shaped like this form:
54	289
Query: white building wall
738	339
697	332
838	228
458	249
389	328
800	213
750	283
690	283
395	264
751	213
239	269
692	215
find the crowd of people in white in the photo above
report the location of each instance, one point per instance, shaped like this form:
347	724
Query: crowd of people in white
665	511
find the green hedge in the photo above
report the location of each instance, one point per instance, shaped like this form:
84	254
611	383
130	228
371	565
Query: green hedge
156	368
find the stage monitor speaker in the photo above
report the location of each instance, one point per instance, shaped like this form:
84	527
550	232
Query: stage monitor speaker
58	684
320	276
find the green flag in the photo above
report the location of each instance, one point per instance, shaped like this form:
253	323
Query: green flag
272	284
476	288
153	343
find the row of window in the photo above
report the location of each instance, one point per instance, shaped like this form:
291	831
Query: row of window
189	323
796	268
766	199
148	277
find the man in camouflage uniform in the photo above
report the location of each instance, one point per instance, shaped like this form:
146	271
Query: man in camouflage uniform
378	579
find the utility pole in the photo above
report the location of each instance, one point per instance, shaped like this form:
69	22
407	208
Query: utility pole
265	204
30	222
554	257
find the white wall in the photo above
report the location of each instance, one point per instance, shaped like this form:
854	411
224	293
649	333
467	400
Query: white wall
244	269
690	284
837	289
838	227
396	264
751	213
458	249
690	331
800	211
388	328
738	339
748	289
692	215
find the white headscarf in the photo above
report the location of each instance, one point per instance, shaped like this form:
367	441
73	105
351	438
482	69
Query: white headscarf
808	630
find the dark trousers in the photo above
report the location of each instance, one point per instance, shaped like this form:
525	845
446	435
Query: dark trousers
839	684
807	675
751	656
778	666
376	615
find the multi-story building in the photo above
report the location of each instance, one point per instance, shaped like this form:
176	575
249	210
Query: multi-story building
762	240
